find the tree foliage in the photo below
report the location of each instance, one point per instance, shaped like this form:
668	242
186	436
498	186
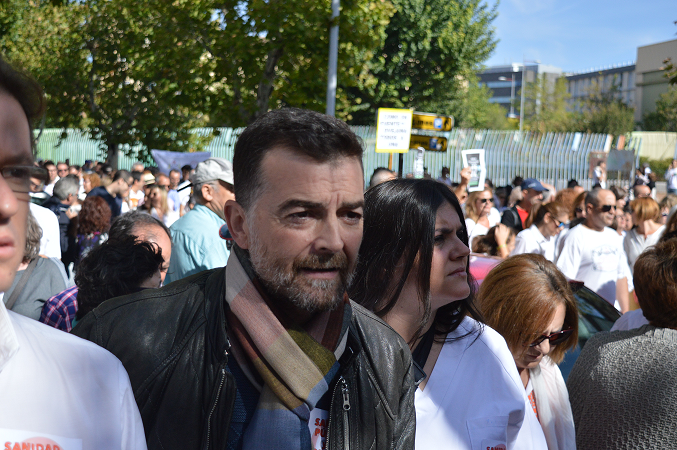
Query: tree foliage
603	111
546	105
472	108
431	49
665	116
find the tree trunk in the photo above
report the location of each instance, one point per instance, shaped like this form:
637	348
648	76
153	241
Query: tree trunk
112	156
266	83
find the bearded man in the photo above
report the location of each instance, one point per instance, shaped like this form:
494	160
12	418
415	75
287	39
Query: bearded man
269	352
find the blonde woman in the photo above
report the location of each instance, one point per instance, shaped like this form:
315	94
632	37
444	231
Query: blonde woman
480	214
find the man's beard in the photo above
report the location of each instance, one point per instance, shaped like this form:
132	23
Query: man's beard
312	295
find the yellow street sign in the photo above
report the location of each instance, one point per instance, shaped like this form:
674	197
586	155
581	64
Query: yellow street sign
432	143
433	122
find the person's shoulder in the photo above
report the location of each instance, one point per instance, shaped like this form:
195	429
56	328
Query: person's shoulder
373	331
488	341
56	346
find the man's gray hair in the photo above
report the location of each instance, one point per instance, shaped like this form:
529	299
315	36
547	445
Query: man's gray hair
65	186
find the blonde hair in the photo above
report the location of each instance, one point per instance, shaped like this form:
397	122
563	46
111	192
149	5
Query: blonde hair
470	210
645	208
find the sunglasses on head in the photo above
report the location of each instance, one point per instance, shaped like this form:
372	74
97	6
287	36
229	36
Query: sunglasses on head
554	338
607	208
485	200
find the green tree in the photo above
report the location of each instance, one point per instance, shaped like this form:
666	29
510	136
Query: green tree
665	116
115	68
431	48
473	109
546	105
603	111
269	54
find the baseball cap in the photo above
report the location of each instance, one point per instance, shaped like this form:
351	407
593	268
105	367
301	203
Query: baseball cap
534	184
213	169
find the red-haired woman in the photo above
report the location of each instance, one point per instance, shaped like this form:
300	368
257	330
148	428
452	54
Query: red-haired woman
93	225
529	302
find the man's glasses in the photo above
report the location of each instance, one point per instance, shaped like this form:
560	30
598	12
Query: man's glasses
554	338
607	208
18	178
485	200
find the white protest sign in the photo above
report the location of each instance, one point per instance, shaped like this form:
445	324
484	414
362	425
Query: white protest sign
393	130
474	159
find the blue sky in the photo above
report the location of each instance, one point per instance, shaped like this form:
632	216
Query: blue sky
578	35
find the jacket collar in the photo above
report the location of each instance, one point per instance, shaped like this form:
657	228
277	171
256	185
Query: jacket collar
9	343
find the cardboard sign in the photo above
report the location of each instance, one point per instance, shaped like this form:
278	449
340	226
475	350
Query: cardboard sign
393	129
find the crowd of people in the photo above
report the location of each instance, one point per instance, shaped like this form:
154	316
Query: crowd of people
272	302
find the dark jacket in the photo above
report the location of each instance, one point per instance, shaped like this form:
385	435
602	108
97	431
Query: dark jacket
174	344
511	218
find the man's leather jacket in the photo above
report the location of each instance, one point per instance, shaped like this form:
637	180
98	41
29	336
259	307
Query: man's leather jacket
174	344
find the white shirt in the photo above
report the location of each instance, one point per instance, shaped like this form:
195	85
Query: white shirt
532	241
49	188
474	397
476	229
135	198
596	258
630	320
634	244
50	243
671	178
63	390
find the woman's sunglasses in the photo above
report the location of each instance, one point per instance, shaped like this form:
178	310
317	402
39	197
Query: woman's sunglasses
485	200
554	338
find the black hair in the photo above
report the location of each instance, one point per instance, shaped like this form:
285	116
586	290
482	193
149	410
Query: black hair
115	268
186	168
572	184
25	90
124	174
399	231
318	136
137	176
126	224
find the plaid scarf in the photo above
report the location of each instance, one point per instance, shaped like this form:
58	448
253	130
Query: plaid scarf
296	364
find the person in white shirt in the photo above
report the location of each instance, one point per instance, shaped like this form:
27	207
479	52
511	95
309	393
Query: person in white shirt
480	214
593	253
412	271
136	194
53	177
671	177
645	215
57	391
599	174
50	242
529	302
548	220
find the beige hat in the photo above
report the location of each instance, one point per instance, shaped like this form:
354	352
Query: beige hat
213	169
148	178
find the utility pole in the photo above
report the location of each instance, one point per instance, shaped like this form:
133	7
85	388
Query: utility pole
333	58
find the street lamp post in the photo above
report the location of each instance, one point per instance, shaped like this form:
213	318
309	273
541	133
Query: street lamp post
511	114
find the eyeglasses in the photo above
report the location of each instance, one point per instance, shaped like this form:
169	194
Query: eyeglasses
485	200
19	177
554	338
607	208
559	224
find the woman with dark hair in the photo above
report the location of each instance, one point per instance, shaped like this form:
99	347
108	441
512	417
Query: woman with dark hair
499	241
117	268
528	300
412	271
543	224
93	225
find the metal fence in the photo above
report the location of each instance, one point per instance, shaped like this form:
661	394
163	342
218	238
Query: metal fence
552	157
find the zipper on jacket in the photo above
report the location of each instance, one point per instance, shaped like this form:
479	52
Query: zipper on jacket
346	408
216	401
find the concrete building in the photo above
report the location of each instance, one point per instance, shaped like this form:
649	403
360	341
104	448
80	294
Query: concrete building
651	82
506	81
579	85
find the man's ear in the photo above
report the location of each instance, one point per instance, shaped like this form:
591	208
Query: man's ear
237	223
207	191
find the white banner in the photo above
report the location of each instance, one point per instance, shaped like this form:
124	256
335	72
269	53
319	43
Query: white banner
167	160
